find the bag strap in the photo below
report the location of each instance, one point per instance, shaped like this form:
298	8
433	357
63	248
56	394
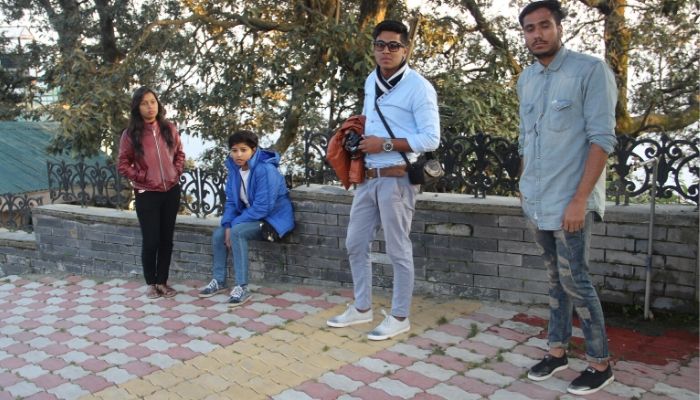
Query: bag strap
388	129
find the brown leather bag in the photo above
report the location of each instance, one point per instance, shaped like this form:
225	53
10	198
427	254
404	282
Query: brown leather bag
349	171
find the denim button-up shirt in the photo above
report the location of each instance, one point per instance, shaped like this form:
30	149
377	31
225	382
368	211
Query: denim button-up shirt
411	111
564	108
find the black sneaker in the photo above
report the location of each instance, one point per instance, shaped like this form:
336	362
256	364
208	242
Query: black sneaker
590	381
548	367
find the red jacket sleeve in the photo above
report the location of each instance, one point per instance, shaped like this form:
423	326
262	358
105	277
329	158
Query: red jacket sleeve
127	165
179	154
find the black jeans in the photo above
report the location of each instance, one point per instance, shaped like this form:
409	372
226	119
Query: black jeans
157	212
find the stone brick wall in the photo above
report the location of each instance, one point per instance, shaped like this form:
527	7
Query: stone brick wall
462	246
17	252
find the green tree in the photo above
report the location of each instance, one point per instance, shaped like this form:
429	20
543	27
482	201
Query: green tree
283	68
15	79
100	53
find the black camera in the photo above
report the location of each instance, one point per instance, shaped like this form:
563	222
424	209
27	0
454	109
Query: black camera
352	143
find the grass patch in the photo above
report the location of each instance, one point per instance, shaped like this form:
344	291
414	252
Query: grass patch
438	350
473	330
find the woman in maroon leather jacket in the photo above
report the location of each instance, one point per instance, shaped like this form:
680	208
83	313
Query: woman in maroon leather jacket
151	157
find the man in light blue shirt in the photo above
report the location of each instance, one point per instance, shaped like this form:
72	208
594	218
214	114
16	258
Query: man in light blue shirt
386	199
567	130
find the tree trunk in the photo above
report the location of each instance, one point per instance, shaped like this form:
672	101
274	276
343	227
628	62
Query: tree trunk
372	12
108	41
617	40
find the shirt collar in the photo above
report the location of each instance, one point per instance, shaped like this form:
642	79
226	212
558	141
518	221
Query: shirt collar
556	62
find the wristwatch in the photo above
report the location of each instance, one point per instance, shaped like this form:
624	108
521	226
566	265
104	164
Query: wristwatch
388	145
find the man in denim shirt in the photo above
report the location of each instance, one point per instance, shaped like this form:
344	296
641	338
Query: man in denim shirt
567	130
386	198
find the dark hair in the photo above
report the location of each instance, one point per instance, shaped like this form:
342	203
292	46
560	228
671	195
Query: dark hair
243	136
135	128
552	5
391	26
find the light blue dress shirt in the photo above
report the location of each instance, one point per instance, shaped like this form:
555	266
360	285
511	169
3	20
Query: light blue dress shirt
410	109
564	108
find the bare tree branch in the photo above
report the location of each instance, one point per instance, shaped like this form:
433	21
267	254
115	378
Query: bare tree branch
488	33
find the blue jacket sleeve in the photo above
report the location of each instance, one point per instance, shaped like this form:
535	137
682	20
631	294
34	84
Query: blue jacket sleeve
230	210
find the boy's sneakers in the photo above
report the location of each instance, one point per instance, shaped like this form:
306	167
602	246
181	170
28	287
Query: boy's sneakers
590	381
212	288
389	328
548	367
239	295
350	317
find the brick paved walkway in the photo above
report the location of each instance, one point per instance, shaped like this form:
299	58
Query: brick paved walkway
84	338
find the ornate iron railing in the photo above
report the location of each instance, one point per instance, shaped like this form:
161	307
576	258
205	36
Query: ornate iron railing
482	164
102	186
678	172
16	211
80	183
203	192
479	165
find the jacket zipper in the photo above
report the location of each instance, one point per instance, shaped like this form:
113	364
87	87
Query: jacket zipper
160	161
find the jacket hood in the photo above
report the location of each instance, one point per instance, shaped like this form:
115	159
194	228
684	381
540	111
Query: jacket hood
261	156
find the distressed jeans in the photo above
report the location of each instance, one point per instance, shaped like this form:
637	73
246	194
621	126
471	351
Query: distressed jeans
240	235
570	287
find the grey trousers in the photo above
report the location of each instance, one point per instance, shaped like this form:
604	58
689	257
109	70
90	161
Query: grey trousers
388	203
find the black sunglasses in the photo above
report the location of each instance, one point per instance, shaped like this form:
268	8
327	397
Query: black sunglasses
380	45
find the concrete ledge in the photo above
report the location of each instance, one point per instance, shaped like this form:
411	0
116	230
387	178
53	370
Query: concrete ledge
18	239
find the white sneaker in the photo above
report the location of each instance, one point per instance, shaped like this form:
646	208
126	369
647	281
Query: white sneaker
389	328
350	317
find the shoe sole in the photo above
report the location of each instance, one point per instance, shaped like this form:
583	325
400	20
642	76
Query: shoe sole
385	337
234	305
541	378
344	324
583	392
204	296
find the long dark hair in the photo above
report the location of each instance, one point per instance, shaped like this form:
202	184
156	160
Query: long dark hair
135	128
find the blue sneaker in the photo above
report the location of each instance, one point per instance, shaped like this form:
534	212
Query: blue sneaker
239	295
211	289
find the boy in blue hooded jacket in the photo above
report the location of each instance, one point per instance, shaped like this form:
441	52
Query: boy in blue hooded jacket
255	193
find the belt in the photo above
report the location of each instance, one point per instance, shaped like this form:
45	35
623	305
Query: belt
393	171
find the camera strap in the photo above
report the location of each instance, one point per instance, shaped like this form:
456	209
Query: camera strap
388	129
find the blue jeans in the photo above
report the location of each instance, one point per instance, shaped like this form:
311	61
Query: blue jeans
566	259
240	235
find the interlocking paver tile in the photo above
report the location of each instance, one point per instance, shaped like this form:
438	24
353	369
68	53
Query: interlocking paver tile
432	371
22	389
368	393
393	357
116	375
103	336
291	394
489	376
30	371
674	392
414	379
68	391
446	391
448	362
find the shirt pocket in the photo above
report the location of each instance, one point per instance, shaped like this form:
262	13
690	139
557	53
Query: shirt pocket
561	114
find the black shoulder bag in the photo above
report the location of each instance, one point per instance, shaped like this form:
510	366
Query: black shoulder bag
422	172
